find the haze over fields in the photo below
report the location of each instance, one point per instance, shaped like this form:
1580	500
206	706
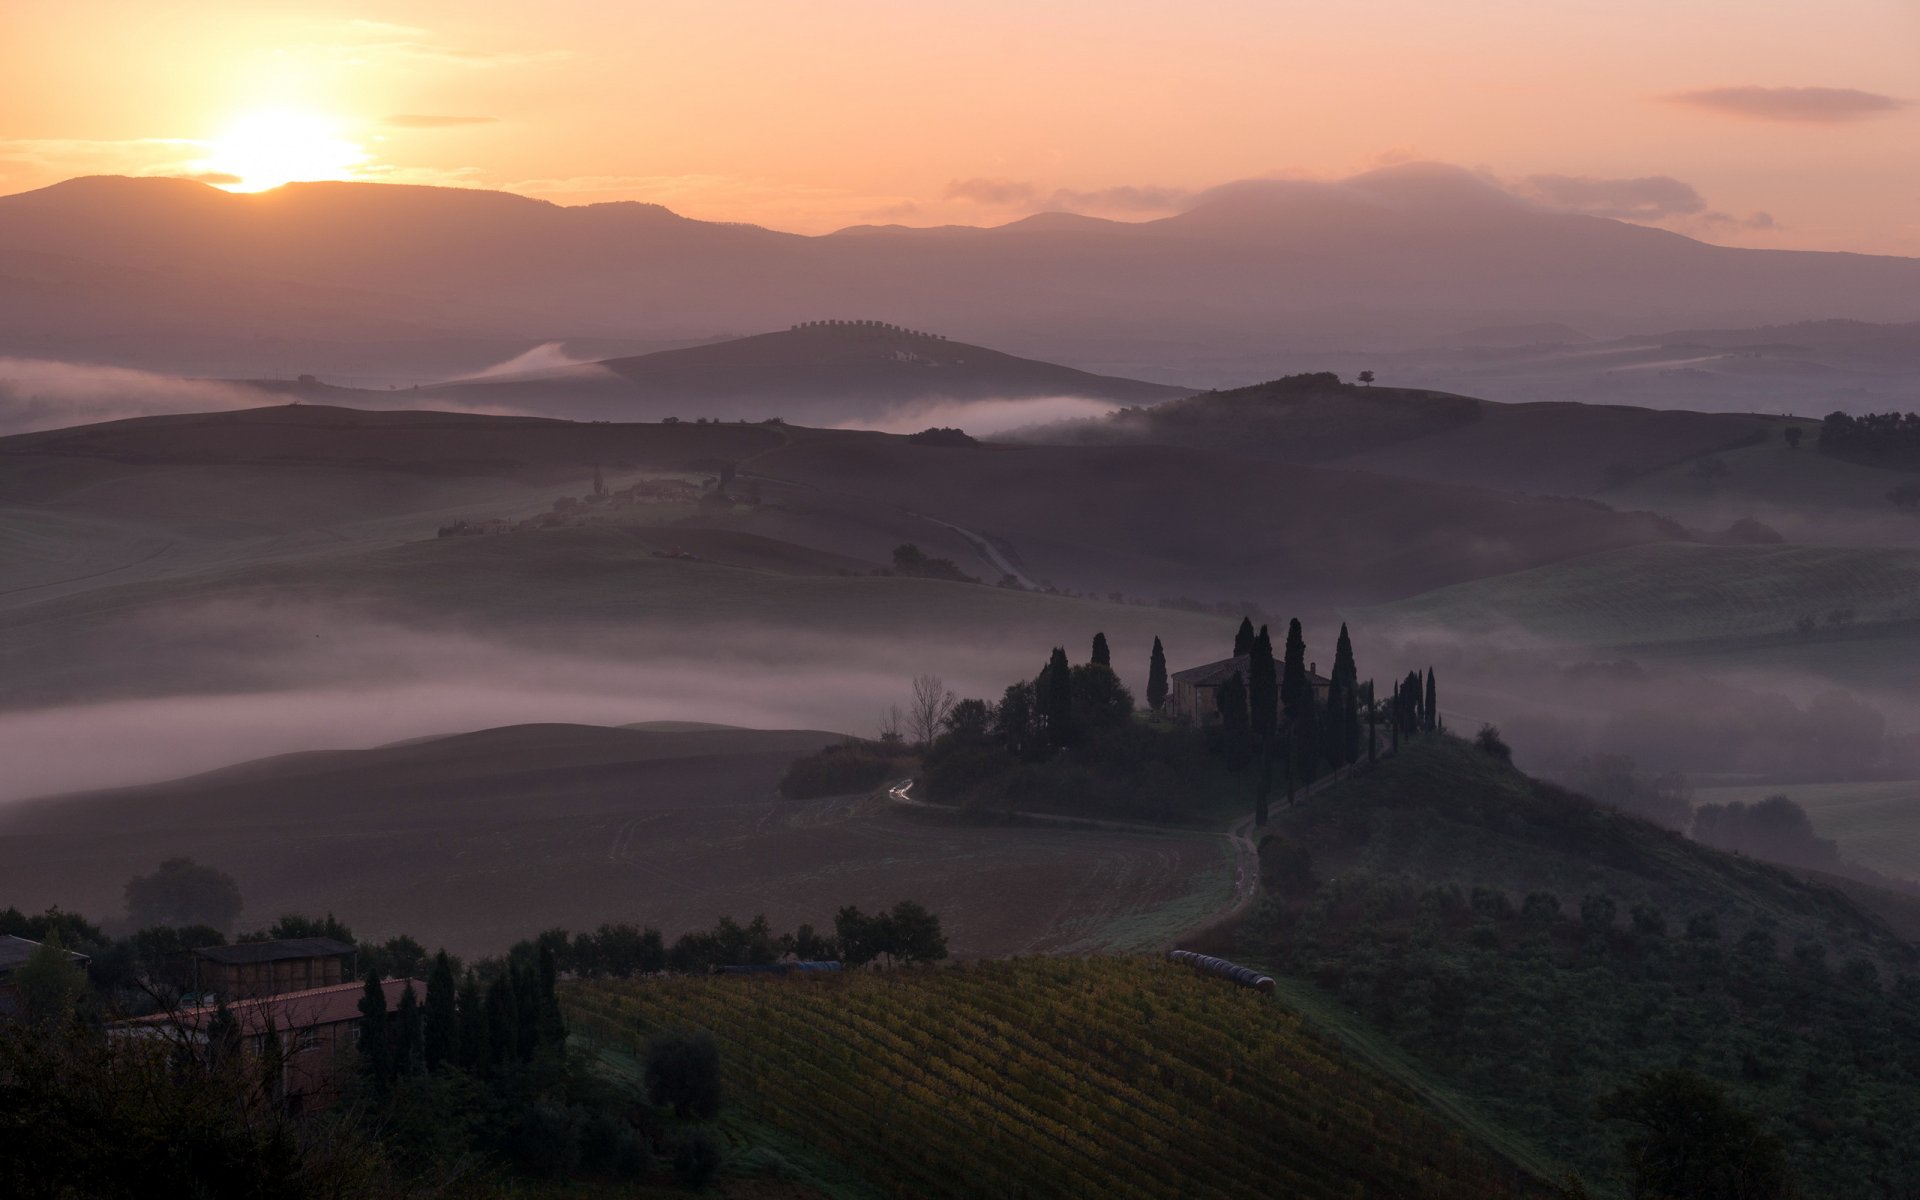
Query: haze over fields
831	602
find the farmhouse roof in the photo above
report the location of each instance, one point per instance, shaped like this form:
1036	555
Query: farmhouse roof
279	951
15	951
288	1011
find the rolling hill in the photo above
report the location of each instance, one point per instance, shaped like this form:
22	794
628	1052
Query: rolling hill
1397	257
820	372
1056	1077
476	840
1529	950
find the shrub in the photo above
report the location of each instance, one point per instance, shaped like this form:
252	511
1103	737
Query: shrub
1490	742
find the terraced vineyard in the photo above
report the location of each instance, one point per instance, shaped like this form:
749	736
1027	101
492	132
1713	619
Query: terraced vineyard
1055	1077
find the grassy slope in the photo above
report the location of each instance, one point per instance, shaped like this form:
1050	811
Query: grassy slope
477	840
1058	1077
1534	1042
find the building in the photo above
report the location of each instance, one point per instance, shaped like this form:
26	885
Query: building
1193	695
14	953
249	970
317	1029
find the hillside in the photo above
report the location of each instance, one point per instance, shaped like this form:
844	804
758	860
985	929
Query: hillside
476	840
1536	449
1521	946
1056	1077
819	373
324	265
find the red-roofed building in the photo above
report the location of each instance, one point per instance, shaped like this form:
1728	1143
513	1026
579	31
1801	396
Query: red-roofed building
316	1028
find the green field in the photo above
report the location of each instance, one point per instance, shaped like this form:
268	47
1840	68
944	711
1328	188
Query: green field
1056	1077
1679	592
1876	822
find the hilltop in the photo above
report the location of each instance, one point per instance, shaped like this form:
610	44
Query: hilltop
1521	946
352	277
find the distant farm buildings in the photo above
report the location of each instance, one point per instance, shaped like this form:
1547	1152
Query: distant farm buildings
250	970
314	1029
14	953
1194	694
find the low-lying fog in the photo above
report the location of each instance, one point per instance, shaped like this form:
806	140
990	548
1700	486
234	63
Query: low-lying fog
983	418
188	692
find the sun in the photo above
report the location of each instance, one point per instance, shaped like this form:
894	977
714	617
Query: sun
267	148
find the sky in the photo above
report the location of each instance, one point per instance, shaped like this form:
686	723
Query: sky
1780	123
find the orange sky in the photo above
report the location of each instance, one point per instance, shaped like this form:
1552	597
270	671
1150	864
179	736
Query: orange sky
810	116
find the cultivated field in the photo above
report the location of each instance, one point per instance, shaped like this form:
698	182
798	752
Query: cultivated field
475	841
1055	1077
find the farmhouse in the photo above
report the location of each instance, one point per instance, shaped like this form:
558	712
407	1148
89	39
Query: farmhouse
315	1028
1194	694
14	953
249	970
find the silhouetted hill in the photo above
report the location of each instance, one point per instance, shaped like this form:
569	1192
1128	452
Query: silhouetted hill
1394	257
821	372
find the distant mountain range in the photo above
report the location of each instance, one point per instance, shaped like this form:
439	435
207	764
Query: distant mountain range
392	283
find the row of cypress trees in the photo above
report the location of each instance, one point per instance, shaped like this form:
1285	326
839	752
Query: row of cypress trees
460	1025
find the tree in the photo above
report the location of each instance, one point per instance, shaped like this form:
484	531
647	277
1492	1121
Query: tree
1017	721
1295	690
1055	690
1344	669
858	935
552	1027
1231	699
50	984
1243	638
1102	657
182	892
914	934
683	1071
1263	689
375	1053
440	1031
1156	677
970	722
1366	377
1792	434
1690	1140
406	1032
1430	707
471	1042
929	707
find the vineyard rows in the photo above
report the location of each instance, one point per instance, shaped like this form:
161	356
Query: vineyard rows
1053	1077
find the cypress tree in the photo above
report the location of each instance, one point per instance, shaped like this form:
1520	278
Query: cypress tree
472	1042
1243	639
1345	673
1102	657
1411	692
1432	707
552	1029
1295	691
1333	730
440	1034
1263	689
1232	702
502	1025
1056	699
1373	726
406	1032
1350	729
1157	677
375	1053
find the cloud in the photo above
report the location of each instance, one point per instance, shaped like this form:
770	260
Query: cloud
1004	193
1122	198
430	121
1648	198
1820	105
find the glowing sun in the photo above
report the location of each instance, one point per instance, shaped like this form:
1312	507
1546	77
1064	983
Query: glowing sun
265	149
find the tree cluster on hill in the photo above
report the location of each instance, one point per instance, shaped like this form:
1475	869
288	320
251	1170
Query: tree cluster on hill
1775	829
942	436
1875	439
1536	951
844	768
914	563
